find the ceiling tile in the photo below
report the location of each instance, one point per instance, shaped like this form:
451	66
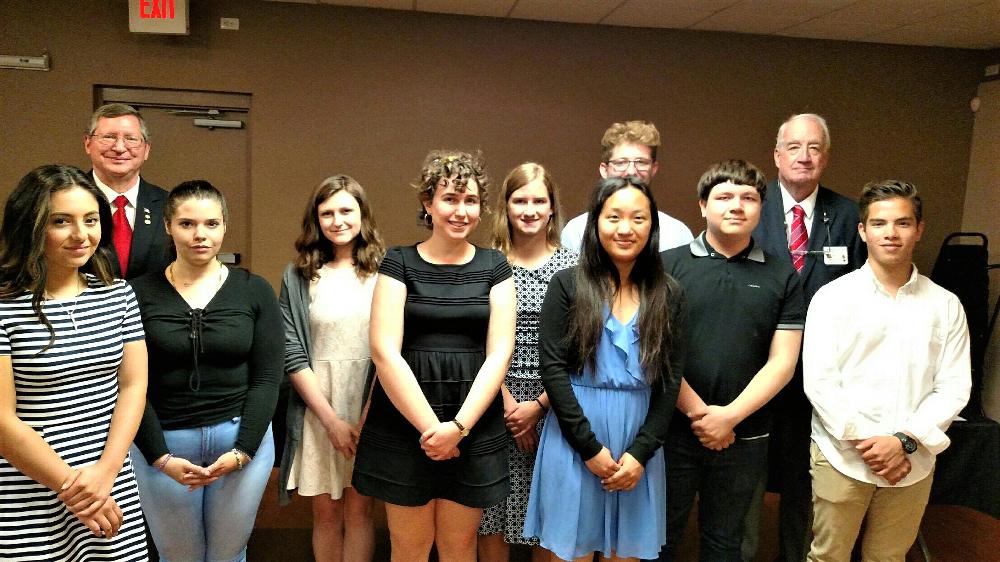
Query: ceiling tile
825	28
573	11
654	13
386	4
897	12
971	24
977	27
489	8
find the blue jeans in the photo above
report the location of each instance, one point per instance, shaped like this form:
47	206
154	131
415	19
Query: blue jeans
724	482
212	523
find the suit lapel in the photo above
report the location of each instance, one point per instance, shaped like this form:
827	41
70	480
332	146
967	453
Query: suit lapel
142	233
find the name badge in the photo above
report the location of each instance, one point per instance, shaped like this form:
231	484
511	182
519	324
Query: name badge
835	255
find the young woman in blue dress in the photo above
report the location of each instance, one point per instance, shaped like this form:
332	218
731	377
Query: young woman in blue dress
610	344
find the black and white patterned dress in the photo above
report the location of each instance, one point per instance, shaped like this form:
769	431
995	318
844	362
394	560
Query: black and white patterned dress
524	383
67	393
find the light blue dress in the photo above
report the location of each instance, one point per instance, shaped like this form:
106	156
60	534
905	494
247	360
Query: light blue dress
568	510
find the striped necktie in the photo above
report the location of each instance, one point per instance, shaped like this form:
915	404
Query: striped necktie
799	238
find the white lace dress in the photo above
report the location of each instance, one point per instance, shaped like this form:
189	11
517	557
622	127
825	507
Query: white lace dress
338	323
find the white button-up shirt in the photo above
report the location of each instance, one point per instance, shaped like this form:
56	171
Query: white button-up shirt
132	194
808	206
875	365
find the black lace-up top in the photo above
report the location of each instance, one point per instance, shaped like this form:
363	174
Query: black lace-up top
213	364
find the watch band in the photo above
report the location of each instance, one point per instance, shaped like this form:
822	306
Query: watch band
461	428
909	444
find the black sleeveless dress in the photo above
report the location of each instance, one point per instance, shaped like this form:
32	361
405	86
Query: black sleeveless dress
446	318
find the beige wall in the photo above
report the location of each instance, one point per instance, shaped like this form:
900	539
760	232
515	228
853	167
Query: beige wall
368	92
981	204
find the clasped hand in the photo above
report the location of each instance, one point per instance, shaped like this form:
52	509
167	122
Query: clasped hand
713	426
186	473
440	441
86	492
616	476
343	436
521	421
885	457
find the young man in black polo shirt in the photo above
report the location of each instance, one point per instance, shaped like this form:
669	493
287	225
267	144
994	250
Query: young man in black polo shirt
746	318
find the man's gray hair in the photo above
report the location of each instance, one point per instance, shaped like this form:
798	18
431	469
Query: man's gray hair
815	118
112	110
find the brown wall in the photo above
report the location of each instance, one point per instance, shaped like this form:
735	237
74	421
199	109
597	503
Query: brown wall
368	92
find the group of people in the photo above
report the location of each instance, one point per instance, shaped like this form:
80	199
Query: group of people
569	389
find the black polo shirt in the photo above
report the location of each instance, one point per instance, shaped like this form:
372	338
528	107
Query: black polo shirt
735	305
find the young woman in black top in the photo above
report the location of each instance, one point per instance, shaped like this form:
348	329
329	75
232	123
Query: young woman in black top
434	445
215	363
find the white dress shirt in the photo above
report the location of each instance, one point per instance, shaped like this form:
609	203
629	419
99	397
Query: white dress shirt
808	205
673	233
875	365
132	195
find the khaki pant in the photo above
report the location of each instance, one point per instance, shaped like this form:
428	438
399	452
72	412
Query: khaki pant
840	503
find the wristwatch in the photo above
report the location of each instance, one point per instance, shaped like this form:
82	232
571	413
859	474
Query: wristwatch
465	432
909	443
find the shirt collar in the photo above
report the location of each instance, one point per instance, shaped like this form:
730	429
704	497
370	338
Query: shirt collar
132	194
808	204
700	248
908	287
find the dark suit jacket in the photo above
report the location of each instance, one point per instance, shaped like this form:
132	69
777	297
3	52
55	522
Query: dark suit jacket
835	223
150	246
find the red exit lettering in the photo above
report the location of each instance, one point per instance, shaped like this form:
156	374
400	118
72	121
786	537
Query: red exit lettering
156	9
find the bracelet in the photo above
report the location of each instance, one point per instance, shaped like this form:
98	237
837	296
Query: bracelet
239	460
163	464
540	405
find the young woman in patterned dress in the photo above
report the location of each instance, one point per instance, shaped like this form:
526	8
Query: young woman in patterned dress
72	377
526	229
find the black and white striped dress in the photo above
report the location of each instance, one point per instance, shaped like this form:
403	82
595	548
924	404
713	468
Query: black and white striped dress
67	393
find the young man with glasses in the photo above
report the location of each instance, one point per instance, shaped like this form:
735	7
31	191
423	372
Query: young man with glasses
117	143
629	149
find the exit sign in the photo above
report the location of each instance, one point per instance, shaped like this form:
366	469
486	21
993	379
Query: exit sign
158	16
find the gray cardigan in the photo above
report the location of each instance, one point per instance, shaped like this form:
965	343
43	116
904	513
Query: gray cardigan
294	303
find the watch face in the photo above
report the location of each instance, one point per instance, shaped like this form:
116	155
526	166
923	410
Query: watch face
909	445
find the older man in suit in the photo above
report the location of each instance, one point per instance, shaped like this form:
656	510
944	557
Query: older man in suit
817	229
117	142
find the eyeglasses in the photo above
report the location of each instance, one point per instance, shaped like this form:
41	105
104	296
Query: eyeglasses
108	140
622	164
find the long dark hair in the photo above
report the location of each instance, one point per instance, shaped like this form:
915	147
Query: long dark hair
313	247
597	283
22	235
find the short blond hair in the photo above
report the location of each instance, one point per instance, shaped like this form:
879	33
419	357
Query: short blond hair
634	132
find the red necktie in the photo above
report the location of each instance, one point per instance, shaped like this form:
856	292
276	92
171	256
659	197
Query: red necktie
798	239
122	233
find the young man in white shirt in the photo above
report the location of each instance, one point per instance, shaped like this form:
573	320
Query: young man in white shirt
886	368
629	149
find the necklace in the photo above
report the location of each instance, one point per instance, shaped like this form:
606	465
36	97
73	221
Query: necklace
71	311
186	284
